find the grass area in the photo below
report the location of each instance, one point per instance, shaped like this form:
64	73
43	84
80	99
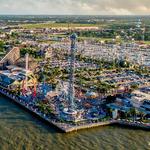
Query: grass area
95	38
57	35
56	25
47	42
146	42
146	121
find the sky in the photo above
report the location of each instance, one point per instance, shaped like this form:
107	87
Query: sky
75	7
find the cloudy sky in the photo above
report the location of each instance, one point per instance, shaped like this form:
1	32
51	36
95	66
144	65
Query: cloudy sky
76	7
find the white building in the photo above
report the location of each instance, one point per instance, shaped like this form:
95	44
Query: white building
138	98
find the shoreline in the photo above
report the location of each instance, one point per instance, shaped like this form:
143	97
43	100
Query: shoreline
66	128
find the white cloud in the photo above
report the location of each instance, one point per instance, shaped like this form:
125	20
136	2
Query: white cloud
89	7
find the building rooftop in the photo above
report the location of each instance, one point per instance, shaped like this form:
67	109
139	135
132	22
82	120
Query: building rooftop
13	73
141	95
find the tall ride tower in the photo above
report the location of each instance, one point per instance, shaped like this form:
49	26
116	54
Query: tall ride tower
27	69
73	49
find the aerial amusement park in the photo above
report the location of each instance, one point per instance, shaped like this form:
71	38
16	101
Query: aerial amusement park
81	85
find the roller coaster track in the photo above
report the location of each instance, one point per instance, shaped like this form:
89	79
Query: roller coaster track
11	56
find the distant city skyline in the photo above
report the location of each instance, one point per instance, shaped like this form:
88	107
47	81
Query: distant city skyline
75	7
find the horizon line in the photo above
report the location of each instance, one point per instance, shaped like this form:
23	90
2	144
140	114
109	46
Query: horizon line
70	15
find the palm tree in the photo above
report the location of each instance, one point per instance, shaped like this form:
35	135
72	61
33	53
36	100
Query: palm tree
133	113
134	87
142	114
126	115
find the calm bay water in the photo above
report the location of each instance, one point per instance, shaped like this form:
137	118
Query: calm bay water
20	130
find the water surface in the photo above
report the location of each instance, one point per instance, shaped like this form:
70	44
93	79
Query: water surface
20	130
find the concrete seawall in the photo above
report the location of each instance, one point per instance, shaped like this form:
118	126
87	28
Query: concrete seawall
91	125
66	127
134	124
